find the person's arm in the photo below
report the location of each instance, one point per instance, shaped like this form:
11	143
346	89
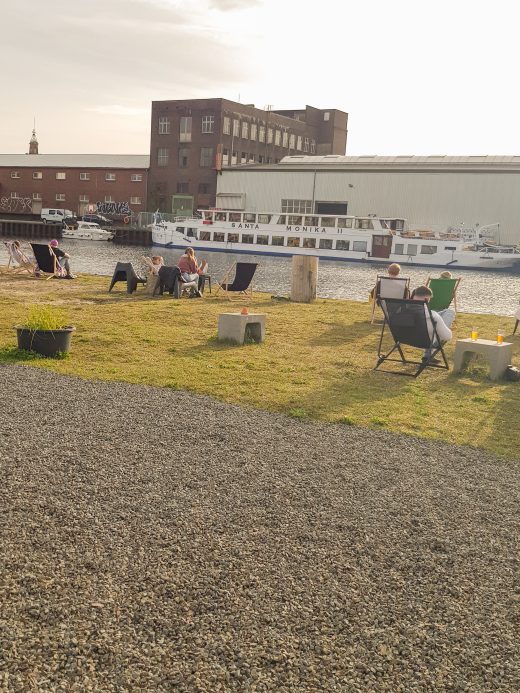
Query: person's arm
443	331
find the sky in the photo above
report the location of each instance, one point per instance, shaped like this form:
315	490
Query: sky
416	77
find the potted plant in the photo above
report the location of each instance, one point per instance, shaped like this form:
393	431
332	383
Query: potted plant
46	332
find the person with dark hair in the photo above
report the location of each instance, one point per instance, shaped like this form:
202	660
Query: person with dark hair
443	320
63	258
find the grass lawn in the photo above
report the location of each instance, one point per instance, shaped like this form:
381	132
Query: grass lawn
316	361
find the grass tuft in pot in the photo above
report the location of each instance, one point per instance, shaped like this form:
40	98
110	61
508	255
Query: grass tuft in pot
45	331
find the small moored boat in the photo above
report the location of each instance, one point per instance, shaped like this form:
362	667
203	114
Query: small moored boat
87	231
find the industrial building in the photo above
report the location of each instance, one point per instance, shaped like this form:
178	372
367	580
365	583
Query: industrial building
430	192
192	140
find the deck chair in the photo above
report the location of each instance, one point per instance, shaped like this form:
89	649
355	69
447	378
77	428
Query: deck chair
125	272
18	260
389	287
241	285
46	261
444	292
410	323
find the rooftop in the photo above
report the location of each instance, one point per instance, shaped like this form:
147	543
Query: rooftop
75	161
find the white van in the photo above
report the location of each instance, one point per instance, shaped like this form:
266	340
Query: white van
55	216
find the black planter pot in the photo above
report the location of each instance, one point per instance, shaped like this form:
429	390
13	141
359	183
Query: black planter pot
45	342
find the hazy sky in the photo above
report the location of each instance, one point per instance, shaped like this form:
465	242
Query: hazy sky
415	76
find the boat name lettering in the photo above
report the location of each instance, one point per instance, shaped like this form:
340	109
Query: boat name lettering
306	229
244	226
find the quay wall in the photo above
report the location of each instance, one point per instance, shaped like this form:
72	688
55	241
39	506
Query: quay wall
32	230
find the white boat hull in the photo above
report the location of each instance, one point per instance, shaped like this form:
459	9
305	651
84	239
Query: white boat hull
88	235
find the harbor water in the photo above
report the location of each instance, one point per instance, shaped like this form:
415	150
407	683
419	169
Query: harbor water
479	291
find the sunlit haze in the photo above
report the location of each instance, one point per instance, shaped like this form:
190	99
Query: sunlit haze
414	77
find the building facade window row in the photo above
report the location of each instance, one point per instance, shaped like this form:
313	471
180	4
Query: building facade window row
62	197
206	157
84	176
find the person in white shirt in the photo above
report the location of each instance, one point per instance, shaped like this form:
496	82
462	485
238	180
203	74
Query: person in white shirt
443	320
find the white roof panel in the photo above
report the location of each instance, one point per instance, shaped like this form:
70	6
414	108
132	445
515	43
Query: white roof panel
75	160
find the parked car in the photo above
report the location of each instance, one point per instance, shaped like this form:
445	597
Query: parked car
70	223
56	216
97	219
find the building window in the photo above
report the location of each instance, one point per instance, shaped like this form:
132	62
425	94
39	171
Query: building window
261	133
253	131
306	144
182	187
184	153
185	129
84	176
243	158
162	157
83	198
135	200
60	197
14	195
204	188
164	126
208	124
234	158
110	176
299	143
296	207
225	157
37	175
206	157
292	140
285	139
37	196
135	177
269	135
109	198
226	125
15	174
326	115
245	130
61	175
313	147
236	127
277	138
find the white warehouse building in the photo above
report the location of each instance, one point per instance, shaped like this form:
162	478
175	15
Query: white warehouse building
430	192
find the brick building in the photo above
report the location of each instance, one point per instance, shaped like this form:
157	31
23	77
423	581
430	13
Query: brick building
191	140
29	182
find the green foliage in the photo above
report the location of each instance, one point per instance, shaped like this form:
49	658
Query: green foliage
43	317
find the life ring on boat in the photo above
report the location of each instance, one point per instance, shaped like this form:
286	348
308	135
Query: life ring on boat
126	220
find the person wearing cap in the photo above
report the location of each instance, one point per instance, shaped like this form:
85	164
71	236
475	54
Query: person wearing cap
63	258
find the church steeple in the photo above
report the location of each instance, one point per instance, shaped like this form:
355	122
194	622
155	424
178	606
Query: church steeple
33	144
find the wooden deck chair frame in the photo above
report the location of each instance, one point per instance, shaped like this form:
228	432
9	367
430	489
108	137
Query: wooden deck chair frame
432	343
454	299
58	270
233	295
20	264
376	297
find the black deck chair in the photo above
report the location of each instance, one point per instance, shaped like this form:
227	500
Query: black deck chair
170	281
241	284
125	272
407	321
46	260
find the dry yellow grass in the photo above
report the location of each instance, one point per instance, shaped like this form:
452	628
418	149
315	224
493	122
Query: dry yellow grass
316	362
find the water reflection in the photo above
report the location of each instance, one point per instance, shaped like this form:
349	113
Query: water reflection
479	292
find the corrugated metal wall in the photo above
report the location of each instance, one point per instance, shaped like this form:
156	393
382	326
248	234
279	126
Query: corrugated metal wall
426	199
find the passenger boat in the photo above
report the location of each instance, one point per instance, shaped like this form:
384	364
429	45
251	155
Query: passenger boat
87	231
354	239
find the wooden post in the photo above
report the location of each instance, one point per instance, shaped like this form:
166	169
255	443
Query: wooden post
304	278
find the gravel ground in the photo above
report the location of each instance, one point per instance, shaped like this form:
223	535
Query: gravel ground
154	540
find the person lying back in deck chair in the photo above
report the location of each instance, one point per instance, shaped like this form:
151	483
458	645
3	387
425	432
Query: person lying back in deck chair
442	322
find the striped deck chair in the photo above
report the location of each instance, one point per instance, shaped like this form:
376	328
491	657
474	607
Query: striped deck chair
18	260
46	260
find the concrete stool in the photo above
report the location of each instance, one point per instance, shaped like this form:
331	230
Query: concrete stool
498	355
235	327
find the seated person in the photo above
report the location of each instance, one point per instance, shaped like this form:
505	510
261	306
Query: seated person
63	258
442	322
393	272
154	263
190	268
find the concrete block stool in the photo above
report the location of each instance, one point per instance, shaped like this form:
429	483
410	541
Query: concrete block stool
498	355
235	327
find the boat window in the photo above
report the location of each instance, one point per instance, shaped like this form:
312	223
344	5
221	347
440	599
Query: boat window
342	245
218	236
232	237
220	216
397	225
281	219
247	238
309	242
192	233
359	246
450	247
326	243
399	249
294	220
208	215
277	240
311	221
262	240
204	236
264	218
328	221
180	229
428	249
344	223
411	249
235	216
364	224
251	218
293	242
384	224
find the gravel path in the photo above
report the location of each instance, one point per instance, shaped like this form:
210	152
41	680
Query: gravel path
154	540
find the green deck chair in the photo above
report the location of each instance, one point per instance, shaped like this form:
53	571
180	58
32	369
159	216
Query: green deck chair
444	292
